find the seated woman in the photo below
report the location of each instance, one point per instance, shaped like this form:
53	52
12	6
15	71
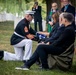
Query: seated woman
56	31
54	23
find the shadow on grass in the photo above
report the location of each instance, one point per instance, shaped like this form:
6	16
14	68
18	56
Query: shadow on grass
73	69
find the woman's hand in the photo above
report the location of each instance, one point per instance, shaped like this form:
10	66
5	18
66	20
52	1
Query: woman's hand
41	43
51	23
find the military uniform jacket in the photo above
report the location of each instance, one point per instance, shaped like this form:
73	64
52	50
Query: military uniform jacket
20	30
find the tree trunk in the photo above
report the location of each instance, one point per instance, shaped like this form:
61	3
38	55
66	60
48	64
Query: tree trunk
48	5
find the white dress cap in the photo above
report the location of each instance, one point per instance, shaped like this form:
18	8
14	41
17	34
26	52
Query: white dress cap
29	12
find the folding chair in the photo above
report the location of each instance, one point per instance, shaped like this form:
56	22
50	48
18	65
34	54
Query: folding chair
62	61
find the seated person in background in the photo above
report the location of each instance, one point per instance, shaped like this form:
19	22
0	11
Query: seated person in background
54	8
67	7
56	48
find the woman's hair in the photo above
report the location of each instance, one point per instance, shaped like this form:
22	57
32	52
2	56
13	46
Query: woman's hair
56	16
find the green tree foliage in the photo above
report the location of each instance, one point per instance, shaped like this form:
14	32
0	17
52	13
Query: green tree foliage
19	6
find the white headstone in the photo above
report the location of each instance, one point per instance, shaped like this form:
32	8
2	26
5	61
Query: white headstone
16	21
44	25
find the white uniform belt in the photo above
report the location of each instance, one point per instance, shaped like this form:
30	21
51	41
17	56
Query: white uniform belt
19	35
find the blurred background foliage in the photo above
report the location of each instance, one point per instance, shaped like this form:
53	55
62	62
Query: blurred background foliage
19	6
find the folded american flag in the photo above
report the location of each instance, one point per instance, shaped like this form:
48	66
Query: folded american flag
41	36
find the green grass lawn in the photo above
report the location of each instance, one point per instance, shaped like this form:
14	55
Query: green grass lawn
8	67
